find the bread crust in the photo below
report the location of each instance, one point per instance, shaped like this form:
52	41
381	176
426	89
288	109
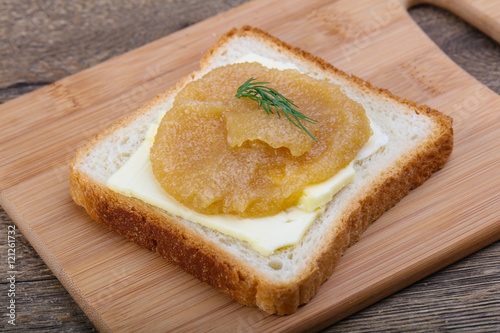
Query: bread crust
157	230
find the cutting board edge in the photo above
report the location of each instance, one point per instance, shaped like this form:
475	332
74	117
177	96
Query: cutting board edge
41	248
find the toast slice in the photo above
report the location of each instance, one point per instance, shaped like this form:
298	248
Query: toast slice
420	141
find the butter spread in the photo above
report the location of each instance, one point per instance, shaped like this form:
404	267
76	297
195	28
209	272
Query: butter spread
266	234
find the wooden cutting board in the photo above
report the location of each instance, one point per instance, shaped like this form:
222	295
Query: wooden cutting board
124	288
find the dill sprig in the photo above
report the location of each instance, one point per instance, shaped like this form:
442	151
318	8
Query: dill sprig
268	98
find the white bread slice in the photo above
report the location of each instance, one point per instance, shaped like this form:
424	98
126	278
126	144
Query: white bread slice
420	140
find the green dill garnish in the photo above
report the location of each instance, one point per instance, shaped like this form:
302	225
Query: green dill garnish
267	98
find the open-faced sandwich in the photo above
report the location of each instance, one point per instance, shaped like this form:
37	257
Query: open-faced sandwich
256	172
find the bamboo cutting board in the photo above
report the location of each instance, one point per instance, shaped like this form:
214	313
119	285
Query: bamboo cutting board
122	287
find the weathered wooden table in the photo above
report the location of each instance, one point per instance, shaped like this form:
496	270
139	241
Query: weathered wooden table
42	42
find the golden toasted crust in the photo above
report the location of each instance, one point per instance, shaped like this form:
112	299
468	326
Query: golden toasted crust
157	230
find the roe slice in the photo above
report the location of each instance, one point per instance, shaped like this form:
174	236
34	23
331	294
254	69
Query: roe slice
208	159
245	123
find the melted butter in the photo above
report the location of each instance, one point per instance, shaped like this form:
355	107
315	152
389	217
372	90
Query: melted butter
135	178
266	234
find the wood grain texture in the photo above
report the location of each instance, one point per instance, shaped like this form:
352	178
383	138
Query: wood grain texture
440	316
480	13
44	41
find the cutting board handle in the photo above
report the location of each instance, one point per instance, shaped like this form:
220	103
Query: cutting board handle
484	15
